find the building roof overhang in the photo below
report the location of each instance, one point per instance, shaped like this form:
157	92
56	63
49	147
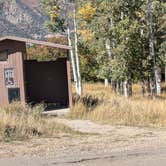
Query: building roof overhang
38	42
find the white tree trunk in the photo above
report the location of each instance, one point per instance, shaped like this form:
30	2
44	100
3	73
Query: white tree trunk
79	86
106	83
108	51
125	87
108	48
156	77
72	58
158	84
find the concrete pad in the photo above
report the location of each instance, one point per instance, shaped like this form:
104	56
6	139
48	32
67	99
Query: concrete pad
57	112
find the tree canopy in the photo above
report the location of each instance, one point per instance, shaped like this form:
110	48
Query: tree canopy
118	40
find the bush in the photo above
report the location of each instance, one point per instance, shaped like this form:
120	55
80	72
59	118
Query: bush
88	101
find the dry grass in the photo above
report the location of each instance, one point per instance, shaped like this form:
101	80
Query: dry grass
17	123
115	110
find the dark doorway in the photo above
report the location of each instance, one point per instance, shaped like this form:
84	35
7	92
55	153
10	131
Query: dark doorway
13	94
47	82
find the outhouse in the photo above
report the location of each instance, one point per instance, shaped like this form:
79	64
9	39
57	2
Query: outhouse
32	81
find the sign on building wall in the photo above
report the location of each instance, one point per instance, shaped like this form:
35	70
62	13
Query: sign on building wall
9	77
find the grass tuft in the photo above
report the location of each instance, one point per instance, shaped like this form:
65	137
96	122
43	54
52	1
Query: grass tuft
18	123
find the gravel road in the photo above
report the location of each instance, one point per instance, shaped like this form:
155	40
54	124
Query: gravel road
139	157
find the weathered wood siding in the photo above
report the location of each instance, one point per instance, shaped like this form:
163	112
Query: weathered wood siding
15	60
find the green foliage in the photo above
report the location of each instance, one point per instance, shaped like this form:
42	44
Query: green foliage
44	53
54	10
125	25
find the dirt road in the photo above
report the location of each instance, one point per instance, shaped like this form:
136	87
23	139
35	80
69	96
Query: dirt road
139	157
101	145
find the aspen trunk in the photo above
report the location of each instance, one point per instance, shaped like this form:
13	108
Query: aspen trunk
143	88
158	82
125	88
72	58
114	85
119	87
76	55
148	88
108	48
130	88
106	82
156	79
108	51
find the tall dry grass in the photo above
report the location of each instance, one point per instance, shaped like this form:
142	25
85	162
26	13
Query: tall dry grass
18	122
115	110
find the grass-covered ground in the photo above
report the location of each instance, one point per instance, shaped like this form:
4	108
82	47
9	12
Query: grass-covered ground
18	123
100	104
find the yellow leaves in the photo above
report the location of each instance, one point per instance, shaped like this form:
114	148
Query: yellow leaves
54	12
87	12
86	34
139	14
84	60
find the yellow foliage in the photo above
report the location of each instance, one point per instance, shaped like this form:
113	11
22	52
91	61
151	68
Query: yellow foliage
139	14
86	34
84	60
54	12
87	12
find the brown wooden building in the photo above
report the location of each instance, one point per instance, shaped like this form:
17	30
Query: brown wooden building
33	81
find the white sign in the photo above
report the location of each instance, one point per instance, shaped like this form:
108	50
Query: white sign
9	77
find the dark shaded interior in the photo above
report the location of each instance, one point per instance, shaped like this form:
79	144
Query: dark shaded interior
46	82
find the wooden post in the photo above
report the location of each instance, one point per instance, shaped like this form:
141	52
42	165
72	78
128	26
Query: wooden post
165	73
69	81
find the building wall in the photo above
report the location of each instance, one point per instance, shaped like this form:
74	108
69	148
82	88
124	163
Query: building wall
15	60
